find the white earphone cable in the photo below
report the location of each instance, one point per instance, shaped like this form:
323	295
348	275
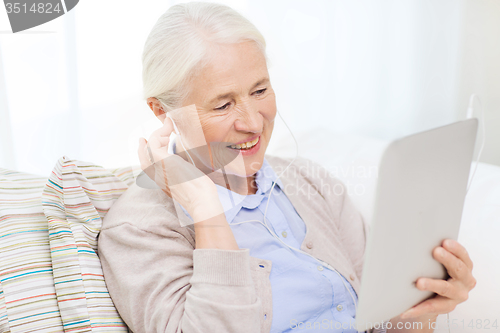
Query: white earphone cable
274	234
470	113
267	206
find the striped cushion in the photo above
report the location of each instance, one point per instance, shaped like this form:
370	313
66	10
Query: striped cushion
76	198
29	299
50	276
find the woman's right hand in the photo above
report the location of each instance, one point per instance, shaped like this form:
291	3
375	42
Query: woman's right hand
179	179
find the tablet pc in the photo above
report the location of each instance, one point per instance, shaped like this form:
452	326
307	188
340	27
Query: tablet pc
419	199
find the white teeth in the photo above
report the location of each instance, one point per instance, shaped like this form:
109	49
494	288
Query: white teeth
246	145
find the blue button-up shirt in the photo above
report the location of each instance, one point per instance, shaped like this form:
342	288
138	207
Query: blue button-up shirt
306	295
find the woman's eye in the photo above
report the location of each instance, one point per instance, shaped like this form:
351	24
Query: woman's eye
225	106
261	91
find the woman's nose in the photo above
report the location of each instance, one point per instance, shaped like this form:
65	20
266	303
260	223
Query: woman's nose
249	119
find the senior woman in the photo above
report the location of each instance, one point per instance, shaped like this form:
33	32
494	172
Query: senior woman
233	259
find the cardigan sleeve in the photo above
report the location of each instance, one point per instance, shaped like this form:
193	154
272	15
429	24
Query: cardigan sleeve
159	283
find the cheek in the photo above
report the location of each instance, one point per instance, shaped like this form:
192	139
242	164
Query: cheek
268	109
216	128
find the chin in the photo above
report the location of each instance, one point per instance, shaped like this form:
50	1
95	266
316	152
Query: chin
249	168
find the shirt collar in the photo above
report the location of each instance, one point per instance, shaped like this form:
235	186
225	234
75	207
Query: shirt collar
233	202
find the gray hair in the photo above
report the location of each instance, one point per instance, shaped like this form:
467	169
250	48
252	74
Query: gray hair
179	45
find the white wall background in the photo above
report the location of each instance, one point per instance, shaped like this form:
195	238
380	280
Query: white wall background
381	68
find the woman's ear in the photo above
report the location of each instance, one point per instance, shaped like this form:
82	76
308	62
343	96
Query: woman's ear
155	105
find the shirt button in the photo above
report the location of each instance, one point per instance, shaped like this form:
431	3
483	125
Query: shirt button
309	245
351	277
340	307
284	234
320	268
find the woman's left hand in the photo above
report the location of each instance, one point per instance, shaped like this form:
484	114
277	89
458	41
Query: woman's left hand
449	292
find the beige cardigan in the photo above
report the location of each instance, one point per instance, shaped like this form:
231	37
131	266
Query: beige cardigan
159	282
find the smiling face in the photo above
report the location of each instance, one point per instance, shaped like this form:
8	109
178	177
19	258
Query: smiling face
235	104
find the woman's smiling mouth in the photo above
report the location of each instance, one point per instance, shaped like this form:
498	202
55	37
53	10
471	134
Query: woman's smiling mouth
246	145
247	148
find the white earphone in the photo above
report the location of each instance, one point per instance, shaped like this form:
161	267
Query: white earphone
178	133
